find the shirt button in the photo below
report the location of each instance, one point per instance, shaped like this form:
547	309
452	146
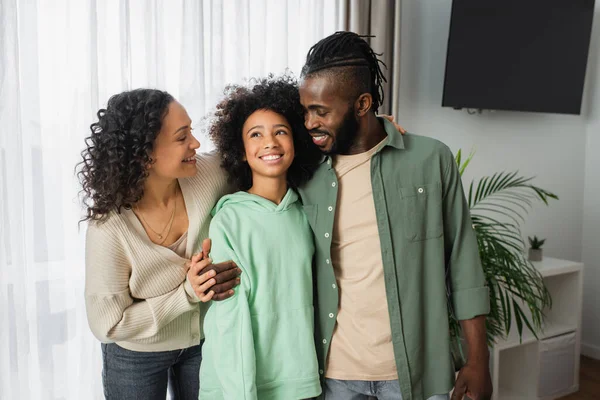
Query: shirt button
332	184
324	341
420	190
326	234
330	208
321	371
330	315
327	261
333	286
329	161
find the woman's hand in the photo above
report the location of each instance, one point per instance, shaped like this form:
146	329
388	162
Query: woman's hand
220	278
391	119
201	283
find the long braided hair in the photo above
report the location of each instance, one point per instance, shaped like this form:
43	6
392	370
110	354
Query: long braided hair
348	49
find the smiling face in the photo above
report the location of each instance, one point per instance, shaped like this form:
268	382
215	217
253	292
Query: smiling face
268	145
330	115
175	146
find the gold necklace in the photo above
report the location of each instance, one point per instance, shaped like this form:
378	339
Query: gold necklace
169	224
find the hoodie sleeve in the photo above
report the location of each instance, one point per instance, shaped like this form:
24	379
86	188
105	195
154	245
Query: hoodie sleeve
233	345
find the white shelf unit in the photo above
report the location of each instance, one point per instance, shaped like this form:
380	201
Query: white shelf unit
545	368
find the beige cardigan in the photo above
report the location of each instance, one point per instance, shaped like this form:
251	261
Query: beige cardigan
136	292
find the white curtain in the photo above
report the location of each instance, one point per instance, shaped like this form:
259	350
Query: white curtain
60	61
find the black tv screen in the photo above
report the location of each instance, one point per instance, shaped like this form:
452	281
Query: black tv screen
524	55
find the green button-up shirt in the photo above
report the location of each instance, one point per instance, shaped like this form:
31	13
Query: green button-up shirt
429	254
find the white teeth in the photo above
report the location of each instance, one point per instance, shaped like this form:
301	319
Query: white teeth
271	157
188	159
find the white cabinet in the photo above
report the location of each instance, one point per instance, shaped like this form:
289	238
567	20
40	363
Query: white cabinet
548	367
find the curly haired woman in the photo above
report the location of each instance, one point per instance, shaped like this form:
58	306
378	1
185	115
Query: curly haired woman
259	343
148	198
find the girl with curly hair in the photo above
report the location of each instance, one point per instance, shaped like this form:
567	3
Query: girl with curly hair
260	343
148	197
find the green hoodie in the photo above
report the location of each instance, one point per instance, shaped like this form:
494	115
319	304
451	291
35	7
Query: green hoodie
259	344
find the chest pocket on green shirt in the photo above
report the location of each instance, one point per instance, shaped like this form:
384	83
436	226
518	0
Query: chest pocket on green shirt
422	210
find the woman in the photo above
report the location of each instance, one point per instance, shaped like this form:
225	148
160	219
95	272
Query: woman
148	198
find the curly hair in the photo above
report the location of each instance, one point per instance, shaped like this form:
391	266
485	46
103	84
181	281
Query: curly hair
117	153
277	94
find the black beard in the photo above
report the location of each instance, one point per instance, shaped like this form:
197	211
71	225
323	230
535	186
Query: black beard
346	134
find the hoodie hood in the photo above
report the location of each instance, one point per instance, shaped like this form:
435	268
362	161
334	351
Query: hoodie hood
255	202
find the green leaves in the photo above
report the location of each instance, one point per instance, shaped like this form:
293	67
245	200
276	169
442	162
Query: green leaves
536	243
499	205
462	167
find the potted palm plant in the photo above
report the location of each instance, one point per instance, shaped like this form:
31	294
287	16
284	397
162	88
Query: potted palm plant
498	204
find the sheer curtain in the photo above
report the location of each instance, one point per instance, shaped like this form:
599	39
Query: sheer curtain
60	61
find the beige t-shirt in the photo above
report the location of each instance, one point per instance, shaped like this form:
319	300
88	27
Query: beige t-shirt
361	347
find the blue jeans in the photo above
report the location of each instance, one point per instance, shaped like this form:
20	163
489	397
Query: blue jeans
133	375
364	390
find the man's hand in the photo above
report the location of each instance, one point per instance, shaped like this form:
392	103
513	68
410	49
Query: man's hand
474	378
474	381
226	274
226	278
391	119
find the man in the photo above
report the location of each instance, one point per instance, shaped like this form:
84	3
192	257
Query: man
393	233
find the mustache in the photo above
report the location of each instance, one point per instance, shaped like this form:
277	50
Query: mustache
318	132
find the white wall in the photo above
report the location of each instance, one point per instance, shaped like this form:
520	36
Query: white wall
591	201
550	147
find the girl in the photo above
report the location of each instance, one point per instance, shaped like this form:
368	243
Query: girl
148	198
259	343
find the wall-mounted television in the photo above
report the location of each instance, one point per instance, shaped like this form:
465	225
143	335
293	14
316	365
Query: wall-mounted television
523	55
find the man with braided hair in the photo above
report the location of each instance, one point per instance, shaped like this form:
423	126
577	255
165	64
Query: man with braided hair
395	248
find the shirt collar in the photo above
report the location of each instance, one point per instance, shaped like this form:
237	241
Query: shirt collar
395	138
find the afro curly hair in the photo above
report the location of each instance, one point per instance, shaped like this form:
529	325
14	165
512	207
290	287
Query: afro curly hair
117	153
277	94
